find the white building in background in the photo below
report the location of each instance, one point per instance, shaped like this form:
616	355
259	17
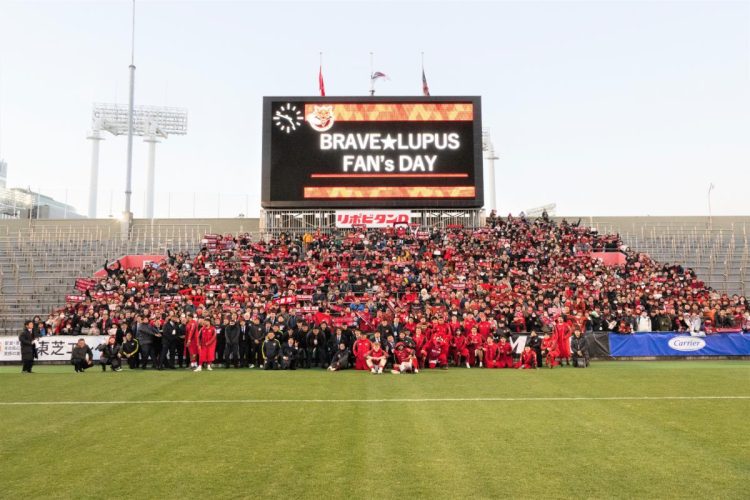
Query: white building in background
20	203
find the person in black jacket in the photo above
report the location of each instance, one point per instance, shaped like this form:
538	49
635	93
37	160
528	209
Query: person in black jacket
110	355
317	348
146	334
289	355
271	352
536	345
245	344
579	348
81	356
130	350
340	359
257	334
169	343
232	345
26	338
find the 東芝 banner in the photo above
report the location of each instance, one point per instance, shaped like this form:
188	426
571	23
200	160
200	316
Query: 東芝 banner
50	348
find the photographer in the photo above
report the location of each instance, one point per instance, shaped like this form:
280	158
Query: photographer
81	357
110	355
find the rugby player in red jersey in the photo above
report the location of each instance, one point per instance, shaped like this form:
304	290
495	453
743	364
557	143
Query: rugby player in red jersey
528	359
360	349
505	354
406	361
549	350
376	358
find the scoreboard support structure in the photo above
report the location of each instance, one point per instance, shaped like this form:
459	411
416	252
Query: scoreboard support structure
275	221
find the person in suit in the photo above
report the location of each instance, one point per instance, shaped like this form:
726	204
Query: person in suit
169	343
26	338
245	345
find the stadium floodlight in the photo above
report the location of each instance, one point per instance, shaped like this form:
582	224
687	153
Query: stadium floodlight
151	122
490	156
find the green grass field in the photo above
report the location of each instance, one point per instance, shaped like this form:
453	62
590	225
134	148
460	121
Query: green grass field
440	434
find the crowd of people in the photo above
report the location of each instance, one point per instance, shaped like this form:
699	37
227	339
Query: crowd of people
451	296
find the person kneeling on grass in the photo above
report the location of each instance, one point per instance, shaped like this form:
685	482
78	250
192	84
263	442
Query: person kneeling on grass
340	359
289	355
376	358
405	360
81	357
110	355
579	347
130	350
528	359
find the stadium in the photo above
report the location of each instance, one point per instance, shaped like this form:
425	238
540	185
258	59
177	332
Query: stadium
370	309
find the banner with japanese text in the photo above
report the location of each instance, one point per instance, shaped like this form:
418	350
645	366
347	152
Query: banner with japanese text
346	219
50	348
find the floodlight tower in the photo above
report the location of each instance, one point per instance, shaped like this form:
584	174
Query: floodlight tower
151	122
489	149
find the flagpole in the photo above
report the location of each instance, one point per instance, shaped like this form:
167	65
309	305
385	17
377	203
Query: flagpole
372	82
321	90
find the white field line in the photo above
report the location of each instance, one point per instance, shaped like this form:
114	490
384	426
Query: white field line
393	400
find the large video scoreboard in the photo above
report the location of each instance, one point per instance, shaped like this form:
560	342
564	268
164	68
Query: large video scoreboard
404	152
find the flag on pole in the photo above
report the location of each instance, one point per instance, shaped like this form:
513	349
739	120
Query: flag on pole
321	84
378	75
425	87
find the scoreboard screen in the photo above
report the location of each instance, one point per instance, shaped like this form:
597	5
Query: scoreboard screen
401	152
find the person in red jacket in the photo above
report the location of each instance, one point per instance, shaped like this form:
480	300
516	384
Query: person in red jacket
436	353
360	349
562	333
504	354
491	353
459	349
191	341
475	345
420	340
406	361
207	345
376	358
549	350
528	359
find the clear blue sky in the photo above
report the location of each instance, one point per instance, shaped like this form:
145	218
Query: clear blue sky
606	108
